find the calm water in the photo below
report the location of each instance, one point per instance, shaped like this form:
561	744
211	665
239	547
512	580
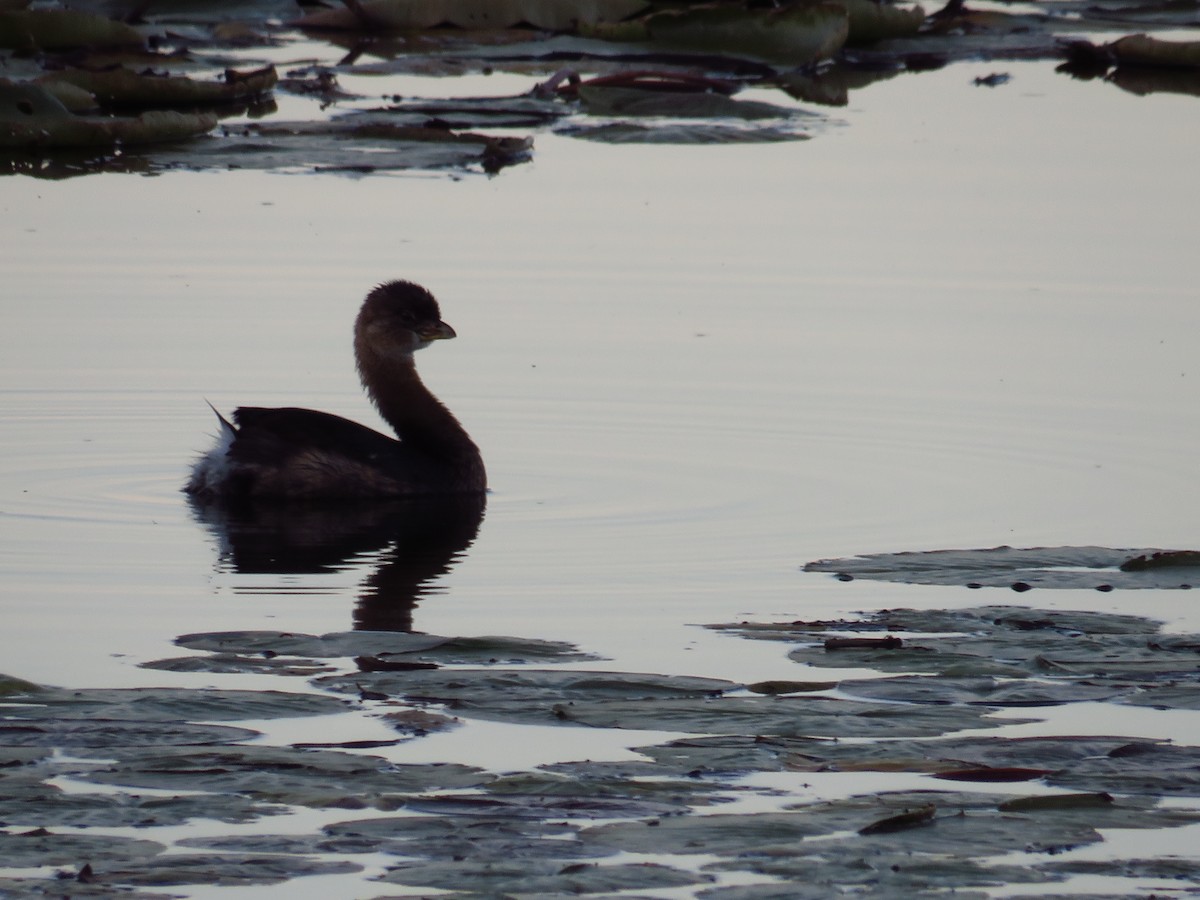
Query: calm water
956	317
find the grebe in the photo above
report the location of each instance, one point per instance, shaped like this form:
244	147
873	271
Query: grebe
304	454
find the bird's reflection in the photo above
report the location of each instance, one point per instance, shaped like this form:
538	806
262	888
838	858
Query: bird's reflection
417	540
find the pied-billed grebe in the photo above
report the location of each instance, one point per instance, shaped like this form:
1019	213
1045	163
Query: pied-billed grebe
304	454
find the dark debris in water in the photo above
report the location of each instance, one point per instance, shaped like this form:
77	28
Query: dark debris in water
149	758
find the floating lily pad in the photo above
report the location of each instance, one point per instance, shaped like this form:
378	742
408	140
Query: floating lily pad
49	807
984	691
30	888
123	87
501	690
41	847
171	706
1119	656
680	133
232	663
1011	567
791	35
32	118
612	781
475	838
349	146
57	29
536	877
1138	768
10	685
313	778
726	754
649	702
1173	868
555	15
382	645
97	733
543	806
787	716
218	869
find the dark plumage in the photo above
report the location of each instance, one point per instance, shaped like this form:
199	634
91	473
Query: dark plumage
292	453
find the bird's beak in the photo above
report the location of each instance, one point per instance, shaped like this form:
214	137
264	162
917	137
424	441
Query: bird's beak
438	331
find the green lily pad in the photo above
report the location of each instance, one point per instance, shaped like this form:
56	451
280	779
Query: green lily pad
123	87
57	29
31	118
553	15
792	35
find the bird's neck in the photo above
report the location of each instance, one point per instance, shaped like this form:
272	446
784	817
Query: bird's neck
415	414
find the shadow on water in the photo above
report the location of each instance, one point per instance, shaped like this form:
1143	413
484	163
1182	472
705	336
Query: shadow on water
417	541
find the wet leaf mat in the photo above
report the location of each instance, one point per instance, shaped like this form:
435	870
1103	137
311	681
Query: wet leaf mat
988	809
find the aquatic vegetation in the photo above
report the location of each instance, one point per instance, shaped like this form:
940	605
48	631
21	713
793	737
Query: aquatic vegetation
143	758
75	75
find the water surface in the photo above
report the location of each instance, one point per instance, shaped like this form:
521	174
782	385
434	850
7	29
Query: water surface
956	317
